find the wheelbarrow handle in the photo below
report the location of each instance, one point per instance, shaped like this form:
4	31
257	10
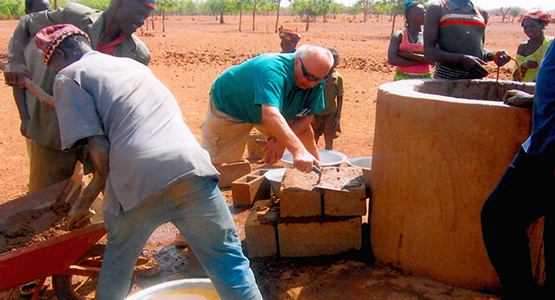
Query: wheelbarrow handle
34	88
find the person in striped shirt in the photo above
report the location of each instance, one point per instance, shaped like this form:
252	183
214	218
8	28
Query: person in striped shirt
454	35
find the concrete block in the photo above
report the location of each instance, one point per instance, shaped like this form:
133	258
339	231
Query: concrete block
297	197
319	238
254	146
260	229
351	202
232	171
251	187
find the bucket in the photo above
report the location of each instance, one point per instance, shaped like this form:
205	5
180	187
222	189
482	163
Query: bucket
328	158
365	163
275	177
191	289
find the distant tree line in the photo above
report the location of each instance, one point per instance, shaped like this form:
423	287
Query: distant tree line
307	10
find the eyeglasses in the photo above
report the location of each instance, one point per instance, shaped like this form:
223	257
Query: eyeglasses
312	77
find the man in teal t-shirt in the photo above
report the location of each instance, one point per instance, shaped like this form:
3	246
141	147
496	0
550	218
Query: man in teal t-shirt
276	93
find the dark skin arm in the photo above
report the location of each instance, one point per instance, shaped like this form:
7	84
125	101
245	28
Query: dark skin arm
20	102
80	212
407	57
529	64
337	119
15	69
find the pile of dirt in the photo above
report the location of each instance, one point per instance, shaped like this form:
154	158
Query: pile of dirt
33	226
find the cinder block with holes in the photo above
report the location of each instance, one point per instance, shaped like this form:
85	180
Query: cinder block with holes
297	195
260	229
232	171
251	187
319	238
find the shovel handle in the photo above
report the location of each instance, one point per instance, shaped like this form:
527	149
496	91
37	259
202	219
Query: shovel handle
34	88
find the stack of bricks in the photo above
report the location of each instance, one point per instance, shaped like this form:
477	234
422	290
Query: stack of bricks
308	220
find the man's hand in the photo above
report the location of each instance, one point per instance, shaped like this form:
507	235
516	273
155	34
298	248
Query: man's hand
336	121
274	151
15	73
474	65
518	98
501	58
79	217
304	161
24	128
530	64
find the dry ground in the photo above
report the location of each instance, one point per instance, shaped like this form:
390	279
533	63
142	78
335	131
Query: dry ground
191	53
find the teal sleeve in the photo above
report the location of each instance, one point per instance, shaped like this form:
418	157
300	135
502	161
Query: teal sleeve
268	89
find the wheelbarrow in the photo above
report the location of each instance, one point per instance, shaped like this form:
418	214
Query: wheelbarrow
72	259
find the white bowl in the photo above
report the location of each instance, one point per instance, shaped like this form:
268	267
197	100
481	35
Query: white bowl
275	176
328	158
365	163
194	288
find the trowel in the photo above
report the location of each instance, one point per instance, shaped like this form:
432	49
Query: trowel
325	185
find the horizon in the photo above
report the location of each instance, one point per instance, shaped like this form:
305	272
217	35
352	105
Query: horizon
545	5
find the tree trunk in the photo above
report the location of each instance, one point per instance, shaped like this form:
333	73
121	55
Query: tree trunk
277	20
325	19
222	17
163	19
55	4
365	16
152	21
240	17
253	18
393	24
307	22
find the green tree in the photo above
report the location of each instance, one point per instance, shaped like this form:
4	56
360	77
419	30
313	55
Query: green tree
218	7
277	4
306	8
254	6
515	12
163	7
365	6
354	10
187	7
98	4
323	8
10	9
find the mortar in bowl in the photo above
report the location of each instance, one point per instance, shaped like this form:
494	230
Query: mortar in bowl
328	158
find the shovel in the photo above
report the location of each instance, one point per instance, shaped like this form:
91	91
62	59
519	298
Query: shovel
325	185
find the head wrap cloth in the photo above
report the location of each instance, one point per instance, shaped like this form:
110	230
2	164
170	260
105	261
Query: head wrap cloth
537	15
289	34
150	3
49	38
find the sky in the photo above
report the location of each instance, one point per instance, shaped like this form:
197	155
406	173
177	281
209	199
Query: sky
546	5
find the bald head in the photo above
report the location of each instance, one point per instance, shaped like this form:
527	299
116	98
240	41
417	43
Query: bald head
312	65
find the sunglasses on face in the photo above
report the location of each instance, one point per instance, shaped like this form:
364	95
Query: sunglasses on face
312	77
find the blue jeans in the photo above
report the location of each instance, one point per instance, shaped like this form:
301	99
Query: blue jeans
524	194
198	209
